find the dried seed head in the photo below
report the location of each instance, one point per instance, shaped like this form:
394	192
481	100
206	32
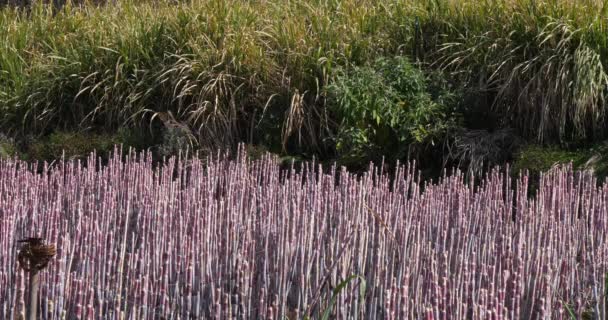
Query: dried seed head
34	254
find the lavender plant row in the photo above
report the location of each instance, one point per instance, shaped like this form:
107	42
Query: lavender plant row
239	239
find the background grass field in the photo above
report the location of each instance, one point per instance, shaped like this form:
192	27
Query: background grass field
438	81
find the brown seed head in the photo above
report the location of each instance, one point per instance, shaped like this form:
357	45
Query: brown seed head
34	254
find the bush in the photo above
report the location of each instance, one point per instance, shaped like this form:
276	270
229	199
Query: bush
386	107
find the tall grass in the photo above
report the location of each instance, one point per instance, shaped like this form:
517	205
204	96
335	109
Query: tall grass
543	62
240	239
222	67
256	70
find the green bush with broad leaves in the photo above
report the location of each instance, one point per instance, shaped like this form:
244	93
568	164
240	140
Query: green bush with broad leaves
387	108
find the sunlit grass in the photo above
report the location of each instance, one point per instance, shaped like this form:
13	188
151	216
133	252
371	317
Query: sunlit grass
229	68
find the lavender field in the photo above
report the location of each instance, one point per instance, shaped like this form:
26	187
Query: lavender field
240	239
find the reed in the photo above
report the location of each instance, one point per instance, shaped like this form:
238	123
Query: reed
256	70
241	239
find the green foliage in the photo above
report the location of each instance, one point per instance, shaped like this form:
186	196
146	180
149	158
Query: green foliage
386	107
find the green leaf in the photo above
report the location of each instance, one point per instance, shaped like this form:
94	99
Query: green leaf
339	288
570	311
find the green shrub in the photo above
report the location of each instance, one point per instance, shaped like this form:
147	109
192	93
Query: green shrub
386	107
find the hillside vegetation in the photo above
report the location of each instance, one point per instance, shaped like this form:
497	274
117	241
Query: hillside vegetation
461	82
